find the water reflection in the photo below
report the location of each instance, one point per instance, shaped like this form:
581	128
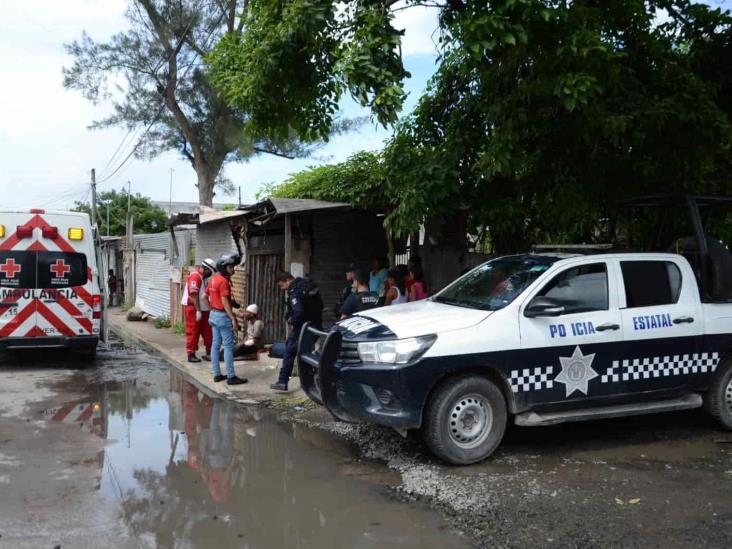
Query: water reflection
189	469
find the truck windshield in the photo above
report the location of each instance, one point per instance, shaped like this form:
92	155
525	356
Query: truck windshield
495	284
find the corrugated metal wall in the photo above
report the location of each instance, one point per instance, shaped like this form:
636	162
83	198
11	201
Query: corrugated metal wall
152	271
262	289
153	282
214	240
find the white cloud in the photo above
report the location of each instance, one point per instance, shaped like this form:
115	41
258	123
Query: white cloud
46	151
420	29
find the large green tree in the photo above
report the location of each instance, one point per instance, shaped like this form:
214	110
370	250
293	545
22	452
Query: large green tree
148	218
540	115
153	74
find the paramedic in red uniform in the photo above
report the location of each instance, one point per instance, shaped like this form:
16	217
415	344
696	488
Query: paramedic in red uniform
196	310
222	319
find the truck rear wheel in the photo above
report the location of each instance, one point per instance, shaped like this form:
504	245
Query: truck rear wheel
718	400
465	420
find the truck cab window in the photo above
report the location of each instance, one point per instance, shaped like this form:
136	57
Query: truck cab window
649	283
580	289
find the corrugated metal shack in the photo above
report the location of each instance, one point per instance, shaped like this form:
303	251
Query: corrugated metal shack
158	259
306	237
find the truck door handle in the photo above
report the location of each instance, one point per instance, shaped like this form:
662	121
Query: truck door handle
608	326
683	319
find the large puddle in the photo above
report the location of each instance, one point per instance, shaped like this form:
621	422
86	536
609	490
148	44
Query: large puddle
191	470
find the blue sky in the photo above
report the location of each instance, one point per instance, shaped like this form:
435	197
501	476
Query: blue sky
46	150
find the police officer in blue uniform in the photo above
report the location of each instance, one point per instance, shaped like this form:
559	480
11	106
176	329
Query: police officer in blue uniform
303	305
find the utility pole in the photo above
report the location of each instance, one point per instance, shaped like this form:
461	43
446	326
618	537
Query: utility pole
93	196
239	195
107	218
170	201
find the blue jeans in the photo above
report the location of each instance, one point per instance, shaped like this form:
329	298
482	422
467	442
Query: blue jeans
223	330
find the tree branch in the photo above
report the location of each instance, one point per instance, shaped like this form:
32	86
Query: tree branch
273	153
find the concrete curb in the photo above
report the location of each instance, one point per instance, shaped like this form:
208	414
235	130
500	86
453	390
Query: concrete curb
260	373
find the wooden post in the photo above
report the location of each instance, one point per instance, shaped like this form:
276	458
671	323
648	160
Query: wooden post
288	242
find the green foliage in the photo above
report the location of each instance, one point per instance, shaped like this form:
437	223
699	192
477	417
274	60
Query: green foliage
359	181
311	52
148	218
541	113
162	322
179	328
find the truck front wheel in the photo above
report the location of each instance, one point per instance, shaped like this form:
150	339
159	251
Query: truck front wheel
465	420
718	400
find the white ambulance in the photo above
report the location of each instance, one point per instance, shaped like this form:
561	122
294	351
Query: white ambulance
50	291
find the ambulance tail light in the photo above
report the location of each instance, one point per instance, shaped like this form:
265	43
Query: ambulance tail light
24	232
2	231
37	211
96	307
76	233
50	232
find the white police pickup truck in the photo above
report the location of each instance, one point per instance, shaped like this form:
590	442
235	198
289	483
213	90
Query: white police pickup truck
539	339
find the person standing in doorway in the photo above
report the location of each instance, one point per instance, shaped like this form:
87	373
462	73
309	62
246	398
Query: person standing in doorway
196	310
304	304
377	279
222	320
111	286
362	299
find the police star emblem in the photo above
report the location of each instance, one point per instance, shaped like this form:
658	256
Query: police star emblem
576	371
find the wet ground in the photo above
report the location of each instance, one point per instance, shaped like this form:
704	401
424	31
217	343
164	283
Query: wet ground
129	454
654	481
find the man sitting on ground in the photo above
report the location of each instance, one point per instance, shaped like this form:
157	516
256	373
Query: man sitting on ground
255	334
362	298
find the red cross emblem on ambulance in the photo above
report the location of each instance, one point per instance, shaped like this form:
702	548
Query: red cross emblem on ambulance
10	268
60	268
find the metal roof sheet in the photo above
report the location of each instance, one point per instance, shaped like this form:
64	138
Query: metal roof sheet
294	205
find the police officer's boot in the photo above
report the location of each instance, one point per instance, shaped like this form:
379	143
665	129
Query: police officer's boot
279	386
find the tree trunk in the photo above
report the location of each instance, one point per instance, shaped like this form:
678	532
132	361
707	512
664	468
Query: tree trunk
206	176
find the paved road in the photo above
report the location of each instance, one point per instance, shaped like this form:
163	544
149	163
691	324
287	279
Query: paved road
129	454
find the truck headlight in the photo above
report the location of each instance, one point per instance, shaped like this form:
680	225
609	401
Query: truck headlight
396	351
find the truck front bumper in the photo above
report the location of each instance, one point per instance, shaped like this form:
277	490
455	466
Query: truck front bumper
375	393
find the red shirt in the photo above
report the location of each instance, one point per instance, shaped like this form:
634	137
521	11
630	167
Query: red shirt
194	283
218	288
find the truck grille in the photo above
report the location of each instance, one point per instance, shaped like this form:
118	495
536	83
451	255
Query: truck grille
349	353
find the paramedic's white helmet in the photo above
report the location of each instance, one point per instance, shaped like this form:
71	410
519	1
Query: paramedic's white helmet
253	309
209	264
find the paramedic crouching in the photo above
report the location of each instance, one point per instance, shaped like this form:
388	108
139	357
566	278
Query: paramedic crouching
304	304
222	320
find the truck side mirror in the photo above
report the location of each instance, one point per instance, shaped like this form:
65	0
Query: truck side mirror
543	306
